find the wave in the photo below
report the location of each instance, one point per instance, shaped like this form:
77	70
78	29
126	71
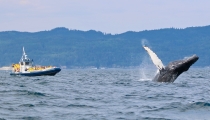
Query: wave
79	106
181	107
35	93
26	105
197	105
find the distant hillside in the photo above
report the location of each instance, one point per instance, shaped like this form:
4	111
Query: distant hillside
74	48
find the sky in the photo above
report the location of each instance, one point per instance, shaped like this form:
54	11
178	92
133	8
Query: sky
108	16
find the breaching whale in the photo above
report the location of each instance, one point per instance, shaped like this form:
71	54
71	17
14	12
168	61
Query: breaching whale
170	72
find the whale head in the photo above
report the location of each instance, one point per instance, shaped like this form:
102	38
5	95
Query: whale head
174	69
181	66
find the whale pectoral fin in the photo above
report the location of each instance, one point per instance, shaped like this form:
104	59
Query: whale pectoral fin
158	63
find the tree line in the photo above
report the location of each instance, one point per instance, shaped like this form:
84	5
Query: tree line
75	48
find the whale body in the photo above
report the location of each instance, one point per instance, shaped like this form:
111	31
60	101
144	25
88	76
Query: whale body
170	72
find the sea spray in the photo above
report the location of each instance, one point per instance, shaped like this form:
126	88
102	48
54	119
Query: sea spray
147	69
145	42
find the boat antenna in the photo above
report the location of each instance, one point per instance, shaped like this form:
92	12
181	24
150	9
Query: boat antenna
24	57
24	53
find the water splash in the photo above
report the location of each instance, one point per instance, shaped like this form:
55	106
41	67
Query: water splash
147	69
145	42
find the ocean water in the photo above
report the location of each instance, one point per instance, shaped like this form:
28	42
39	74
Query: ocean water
108	94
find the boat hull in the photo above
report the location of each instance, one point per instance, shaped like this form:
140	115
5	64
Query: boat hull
50	72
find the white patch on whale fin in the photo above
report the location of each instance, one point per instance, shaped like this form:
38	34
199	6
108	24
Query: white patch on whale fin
158	63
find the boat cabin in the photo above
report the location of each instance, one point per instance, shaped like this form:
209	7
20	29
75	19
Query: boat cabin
24	64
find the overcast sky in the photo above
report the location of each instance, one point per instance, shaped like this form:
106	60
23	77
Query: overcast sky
109	16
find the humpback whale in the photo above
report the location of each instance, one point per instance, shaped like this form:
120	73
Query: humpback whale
170	72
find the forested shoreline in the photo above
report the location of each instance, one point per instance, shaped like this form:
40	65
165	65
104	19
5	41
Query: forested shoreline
75	48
